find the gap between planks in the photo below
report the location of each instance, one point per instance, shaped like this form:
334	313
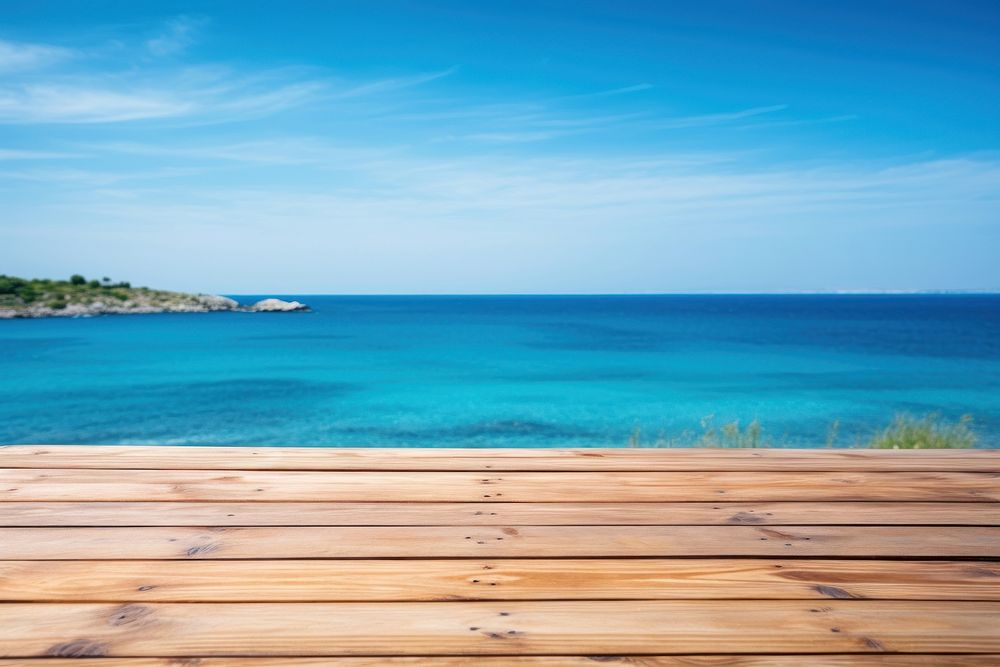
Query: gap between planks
440	459
645	660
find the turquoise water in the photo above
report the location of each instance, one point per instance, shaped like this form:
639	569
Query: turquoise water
503	371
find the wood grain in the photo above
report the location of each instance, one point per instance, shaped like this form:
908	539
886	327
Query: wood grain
168	556
771	660
526	628
60	484
197	513
467	459
496	542
440	580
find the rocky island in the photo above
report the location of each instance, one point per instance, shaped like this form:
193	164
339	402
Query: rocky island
79	297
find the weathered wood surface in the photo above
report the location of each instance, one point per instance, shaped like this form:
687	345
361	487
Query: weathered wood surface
498	579
440	459
497	542
537	627
168	556
62	484
197	513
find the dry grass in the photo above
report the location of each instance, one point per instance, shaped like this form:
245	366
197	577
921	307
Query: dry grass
903	432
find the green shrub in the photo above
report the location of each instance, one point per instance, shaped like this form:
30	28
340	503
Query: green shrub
17	292
832	432
730	435
905	432
929	432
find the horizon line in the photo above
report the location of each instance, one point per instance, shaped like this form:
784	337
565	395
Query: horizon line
929	292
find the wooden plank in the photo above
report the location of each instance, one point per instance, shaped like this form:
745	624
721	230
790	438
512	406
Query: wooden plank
497	542
771	660
60	484
566	556
548	579
620	459
195	513
527	628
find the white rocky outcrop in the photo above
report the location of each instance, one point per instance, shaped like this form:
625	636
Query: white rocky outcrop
142	301
213	302
277	306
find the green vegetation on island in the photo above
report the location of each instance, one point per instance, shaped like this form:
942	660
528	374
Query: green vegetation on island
21	292
903	432
79	297
39	297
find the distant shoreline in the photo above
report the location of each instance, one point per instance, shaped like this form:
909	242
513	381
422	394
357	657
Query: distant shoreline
612	294
22	298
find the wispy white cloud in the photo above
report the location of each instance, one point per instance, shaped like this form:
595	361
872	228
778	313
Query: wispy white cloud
391	221
566	120
527	128
704	120
449	108
541	119
843	118
625	90
667	191
19	56
515	137
284	151
388	85
250	103
371	177
191	95
69	179
130	87
178	34
208	95
20	154
198	94
47	103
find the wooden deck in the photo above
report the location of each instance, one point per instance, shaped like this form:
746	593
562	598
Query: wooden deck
157	556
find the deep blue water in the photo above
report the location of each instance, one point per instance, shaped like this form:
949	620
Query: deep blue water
504	371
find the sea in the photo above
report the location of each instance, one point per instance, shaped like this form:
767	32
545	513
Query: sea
508	371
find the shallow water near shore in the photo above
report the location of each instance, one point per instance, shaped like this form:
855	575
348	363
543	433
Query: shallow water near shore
504	371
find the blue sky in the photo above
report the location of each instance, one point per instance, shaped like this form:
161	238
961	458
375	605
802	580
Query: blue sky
455	147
